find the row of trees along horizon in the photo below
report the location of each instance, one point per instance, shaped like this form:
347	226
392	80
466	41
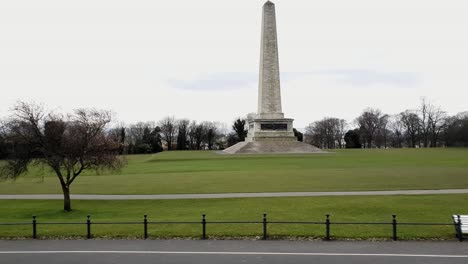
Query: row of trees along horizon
427	126
83	140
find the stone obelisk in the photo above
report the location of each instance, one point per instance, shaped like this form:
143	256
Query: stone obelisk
269	131
269	123
269	92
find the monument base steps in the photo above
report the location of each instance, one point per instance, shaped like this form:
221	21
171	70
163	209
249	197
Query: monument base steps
271	147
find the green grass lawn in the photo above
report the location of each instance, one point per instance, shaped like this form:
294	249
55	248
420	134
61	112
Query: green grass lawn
208	172
430	208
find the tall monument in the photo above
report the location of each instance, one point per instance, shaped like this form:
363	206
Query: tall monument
270	123
269	131
269	92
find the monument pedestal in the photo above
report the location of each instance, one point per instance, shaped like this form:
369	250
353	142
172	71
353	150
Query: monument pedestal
271	147
271	136
271	130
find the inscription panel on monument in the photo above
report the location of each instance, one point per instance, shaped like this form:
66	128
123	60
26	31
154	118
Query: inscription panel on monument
274	127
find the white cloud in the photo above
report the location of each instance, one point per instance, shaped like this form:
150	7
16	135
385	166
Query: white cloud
215	82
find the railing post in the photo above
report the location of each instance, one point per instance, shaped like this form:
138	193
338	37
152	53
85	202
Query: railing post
327	225
34	227
264	226
88	225
459	229
204	226
394	224
145	227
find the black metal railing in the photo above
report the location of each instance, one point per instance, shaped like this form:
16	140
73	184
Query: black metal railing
327	223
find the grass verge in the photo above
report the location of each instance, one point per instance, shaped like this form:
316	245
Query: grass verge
208	172
428	208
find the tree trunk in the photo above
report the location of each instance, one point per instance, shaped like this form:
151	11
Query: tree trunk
66	199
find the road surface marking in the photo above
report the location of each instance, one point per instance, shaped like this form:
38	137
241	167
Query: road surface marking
237	253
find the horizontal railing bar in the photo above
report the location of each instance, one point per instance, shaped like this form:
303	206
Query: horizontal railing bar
435	224
289	222
360	223
116	223
60	223
233	222
175	222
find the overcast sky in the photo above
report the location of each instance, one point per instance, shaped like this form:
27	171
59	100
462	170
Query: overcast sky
199	59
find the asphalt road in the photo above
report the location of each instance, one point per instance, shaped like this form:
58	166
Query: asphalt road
223	195
227	252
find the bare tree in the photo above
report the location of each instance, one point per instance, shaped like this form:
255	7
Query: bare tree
134	140
191	135
341	128
318	134
68	145
168	126
424	126
196	135
134	137
369	122
211	134
432	122
143	137
411	122
398	129
183	130
326	133
382	131
437	122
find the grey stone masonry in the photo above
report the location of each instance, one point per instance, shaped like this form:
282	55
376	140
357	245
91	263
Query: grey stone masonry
269	91
269	131
269	124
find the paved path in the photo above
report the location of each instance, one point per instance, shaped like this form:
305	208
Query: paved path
223	195
230	252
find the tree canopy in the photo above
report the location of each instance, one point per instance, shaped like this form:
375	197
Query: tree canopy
68	145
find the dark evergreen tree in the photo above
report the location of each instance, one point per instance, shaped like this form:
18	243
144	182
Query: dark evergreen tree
122	140
183	126
352	139
232	139
298	135
239	128
3	148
